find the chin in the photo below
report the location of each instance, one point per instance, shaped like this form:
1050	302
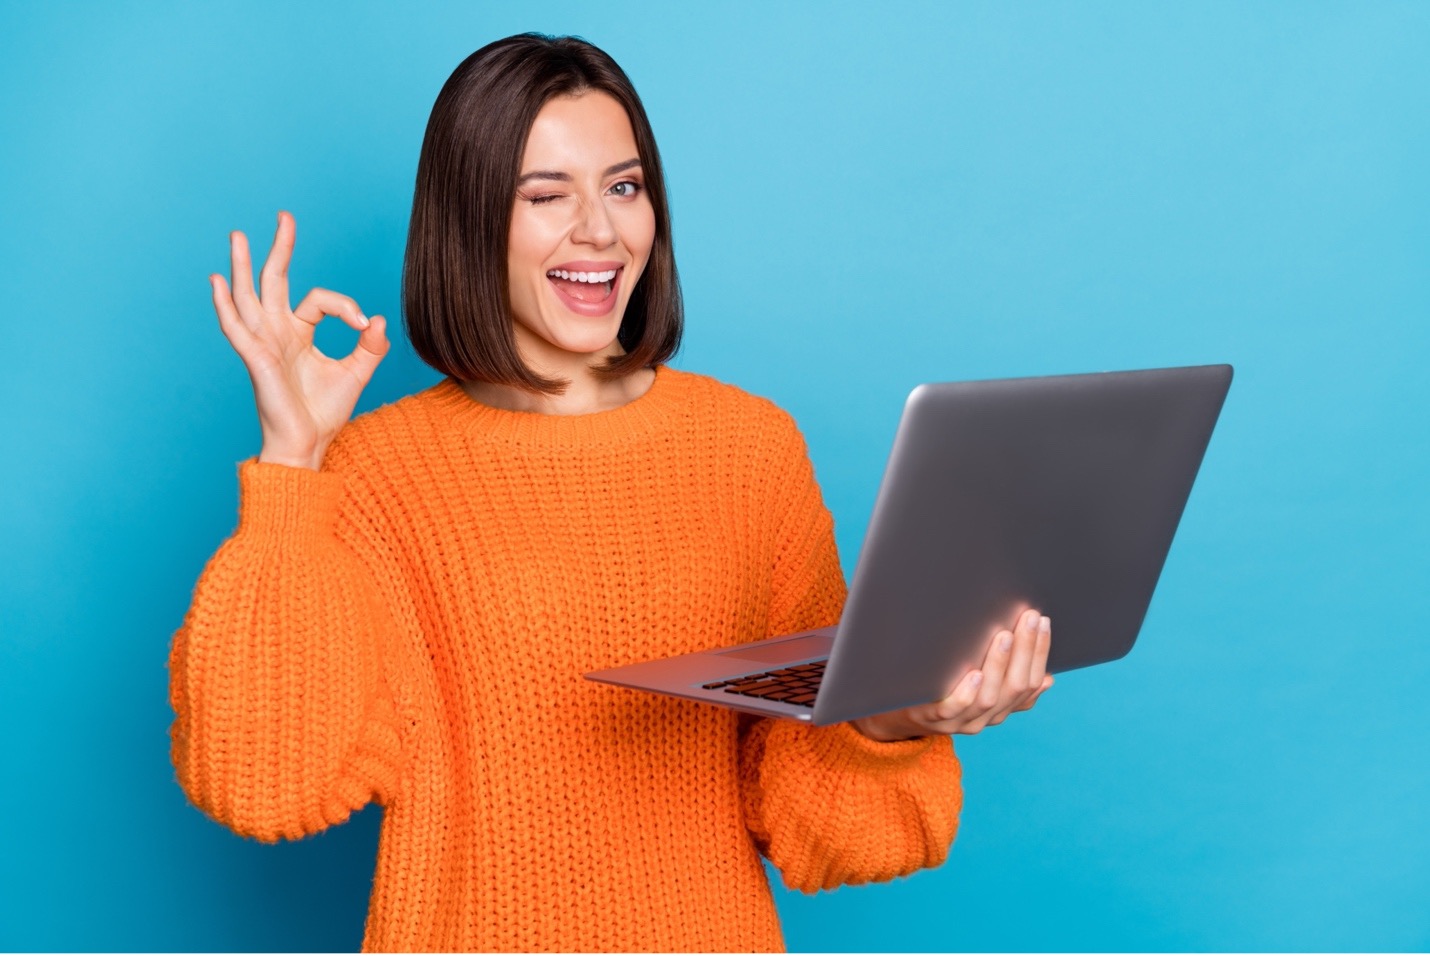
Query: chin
579	341
585	344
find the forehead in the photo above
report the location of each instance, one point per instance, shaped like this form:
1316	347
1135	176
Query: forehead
572	133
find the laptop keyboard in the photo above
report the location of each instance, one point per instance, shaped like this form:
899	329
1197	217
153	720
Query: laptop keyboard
792	685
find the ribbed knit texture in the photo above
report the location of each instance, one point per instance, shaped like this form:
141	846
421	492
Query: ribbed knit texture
410	626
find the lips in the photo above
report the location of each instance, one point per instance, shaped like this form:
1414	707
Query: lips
586	298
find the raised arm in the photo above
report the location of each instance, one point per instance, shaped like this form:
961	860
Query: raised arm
279	675
827	805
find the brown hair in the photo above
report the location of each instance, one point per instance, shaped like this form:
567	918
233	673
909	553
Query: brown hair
455	289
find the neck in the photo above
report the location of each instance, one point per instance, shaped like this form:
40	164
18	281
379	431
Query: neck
587	392
585	395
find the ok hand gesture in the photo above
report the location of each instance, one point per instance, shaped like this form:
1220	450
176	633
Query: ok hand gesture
304	397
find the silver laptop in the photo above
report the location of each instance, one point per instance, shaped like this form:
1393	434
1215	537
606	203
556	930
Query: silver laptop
1060	493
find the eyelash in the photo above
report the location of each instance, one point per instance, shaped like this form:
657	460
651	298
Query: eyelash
637	188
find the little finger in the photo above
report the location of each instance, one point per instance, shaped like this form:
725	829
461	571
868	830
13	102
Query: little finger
242	269
238	334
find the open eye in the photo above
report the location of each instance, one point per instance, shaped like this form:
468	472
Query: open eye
631	188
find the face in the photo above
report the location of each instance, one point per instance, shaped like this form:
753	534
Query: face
581	231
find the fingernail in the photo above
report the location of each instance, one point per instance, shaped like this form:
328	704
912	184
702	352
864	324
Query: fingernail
1045	625
977	678
363	320
1006	641
1031	618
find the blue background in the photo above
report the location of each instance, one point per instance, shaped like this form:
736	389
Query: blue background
865	197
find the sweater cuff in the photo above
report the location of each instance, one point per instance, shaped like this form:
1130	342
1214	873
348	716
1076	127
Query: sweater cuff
843	746
284	500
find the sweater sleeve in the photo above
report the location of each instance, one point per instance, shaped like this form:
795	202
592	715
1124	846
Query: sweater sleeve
827	805
284	720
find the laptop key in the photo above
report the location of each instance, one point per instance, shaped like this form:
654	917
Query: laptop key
755	689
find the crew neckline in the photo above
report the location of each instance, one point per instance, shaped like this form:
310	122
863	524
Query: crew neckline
639	416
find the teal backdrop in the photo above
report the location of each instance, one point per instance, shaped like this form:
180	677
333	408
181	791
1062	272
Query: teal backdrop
865	197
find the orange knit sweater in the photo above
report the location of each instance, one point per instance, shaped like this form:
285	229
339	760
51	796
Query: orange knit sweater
410	626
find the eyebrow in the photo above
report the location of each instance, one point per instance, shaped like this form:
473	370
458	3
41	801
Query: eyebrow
566	177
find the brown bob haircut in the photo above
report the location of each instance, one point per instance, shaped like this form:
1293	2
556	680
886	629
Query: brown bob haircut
455	289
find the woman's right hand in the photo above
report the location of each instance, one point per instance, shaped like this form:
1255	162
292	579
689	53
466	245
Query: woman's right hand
304	397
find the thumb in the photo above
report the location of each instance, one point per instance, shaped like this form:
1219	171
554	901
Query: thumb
371	347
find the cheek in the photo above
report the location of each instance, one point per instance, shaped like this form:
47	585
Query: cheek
523	262
529	241
639	233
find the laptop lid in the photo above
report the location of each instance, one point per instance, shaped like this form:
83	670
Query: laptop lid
1061	493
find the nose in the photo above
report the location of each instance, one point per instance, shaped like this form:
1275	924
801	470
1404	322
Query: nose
593	225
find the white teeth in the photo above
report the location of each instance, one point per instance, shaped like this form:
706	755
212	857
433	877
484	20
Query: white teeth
606	276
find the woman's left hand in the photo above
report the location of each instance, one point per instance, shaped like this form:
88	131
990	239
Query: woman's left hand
1013	675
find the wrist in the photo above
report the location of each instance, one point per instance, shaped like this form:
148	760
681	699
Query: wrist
877	728
312	460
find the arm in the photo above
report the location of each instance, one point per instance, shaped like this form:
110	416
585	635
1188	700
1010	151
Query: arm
284	718
828	805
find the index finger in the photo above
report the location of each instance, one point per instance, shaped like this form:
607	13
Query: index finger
273	281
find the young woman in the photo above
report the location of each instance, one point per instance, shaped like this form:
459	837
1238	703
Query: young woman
406	608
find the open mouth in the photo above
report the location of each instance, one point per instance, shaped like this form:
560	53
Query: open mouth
590	289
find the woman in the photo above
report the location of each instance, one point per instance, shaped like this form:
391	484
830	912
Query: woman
410	598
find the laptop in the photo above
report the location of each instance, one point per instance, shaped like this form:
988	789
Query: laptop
1061	493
